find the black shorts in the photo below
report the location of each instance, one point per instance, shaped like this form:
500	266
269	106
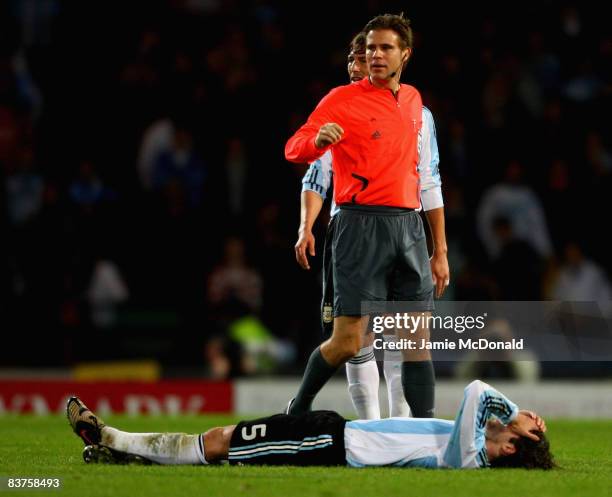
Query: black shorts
379	254
315	438
327	302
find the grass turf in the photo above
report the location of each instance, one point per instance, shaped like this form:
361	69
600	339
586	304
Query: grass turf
45	447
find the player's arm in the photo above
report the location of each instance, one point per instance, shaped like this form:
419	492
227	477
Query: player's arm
440	271
310	208
432	201
320	132
315	184
467	445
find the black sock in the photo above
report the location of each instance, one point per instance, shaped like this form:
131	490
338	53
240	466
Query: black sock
418	382
317	372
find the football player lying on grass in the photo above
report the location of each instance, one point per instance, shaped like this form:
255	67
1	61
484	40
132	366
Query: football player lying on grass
489	430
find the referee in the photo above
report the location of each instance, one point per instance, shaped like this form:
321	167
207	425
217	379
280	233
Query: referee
378	250
361	370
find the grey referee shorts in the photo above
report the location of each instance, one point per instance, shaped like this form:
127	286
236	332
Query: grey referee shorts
379	254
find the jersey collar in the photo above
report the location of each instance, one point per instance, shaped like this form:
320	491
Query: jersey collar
367	85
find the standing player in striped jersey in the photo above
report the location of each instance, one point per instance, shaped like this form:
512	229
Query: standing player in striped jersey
489	430
362	370
379	253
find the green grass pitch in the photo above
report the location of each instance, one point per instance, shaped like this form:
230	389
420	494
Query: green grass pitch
45	447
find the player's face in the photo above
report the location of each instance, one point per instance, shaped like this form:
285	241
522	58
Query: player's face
499	439
357	66
383	53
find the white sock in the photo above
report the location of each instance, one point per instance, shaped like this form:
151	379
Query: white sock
363	381
393	377
162	448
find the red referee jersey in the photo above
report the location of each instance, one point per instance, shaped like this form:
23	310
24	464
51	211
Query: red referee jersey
375	162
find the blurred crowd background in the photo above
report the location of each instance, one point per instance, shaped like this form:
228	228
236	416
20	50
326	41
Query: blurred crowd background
147	211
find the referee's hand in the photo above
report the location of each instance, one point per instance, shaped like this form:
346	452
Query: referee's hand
305	244
329	134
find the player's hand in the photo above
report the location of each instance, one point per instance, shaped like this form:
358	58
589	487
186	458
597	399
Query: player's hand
537	419
329	134
440	272
304	245
526	422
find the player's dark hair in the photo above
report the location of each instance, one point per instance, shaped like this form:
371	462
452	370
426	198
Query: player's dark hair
529	454
397	23
358	43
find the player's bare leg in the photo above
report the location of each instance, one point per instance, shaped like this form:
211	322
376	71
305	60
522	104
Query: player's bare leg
217	443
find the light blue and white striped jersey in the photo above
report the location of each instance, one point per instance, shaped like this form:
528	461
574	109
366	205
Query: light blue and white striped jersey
430	443
319	175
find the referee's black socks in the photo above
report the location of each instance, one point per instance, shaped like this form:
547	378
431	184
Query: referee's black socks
318	372
419	383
